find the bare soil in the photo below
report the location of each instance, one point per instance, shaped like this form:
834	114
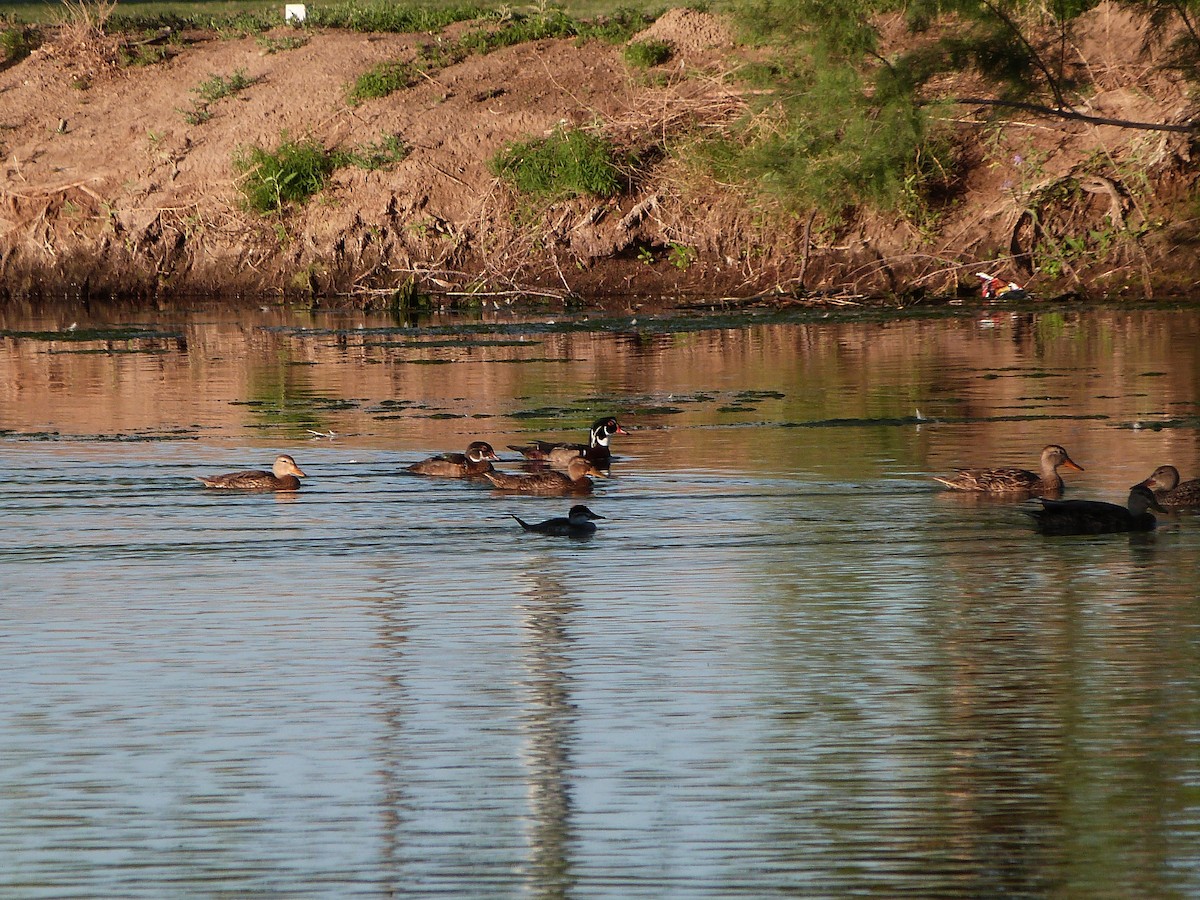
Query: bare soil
107	189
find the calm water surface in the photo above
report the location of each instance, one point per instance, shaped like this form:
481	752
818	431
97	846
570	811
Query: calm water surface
786	665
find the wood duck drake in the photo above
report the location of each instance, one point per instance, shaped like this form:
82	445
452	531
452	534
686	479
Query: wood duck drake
285	475
1013	480
476	461
1170	494
596	450
576	480
1097	517
577	523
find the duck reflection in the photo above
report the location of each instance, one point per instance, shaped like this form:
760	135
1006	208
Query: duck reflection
550	725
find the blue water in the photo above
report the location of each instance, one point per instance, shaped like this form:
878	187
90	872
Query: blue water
787	664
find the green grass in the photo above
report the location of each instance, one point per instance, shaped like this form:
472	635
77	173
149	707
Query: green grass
566	164
647	54
272	180
365	15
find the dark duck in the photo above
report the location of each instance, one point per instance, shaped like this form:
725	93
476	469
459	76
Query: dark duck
576	523
1097	517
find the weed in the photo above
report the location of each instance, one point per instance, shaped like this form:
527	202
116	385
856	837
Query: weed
270	45
16	42
291	173
219	87
646	256
381	80
681	256
566	164
197	115
648	53
136	55
375	155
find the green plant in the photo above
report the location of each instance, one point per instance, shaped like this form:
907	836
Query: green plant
568	163
270	45
681	256
648	53
16	42
197	115
381	80
218	87
291	173
375	155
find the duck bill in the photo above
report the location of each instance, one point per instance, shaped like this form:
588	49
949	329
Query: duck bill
621	430
1069	463
299	473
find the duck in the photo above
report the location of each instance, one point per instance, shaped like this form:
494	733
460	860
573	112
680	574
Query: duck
596	450
577	523
576	480
1097	517
475	462
1014	480
1170	494
285	475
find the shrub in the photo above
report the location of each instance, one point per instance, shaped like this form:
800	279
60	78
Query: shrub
566	164
293	172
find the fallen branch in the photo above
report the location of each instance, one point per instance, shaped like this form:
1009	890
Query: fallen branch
1074	115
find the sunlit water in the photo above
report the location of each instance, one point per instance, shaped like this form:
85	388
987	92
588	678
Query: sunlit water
787	664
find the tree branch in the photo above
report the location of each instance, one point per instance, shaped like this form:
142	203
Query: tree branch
1060	113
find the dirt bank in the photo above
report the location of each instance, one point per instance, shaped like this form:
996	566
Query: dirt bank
109	189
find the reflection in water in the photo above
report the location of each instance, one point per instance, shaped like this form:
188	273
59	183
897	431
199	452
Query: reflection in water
549	723
789	664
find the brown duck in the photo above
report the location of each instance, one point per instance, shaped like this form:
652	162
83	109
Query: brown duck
597	449
1096	517
1013	480
576	480
476	461
285	475
1170	494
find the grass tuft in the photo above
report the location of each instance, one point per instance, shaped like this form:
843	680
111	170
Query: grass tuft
291	173
566	164
647	54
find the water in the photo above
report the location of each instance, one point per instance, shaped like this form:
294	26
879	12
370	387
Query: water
786	665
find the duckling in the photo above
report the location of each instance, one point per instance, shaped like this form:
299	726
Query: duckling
577	523
597	450
285	475
473	463
1096	517
577	480
1014	480
1170	494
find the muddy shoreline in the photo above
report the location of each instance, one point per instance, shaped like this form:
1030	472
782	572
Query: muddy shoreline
110	192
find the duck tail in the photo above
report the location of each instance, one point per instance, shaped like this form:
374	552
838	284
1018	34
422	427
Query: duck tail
524	524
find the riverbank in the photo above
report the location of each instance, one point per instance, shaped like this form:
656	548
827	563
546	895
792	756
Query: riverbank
115	186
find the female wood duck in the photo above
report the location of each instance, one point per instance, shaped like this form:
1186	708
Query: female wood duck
1013	480
285	475
577	480
597	450
475	462
1170	494
577	523
1096	517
